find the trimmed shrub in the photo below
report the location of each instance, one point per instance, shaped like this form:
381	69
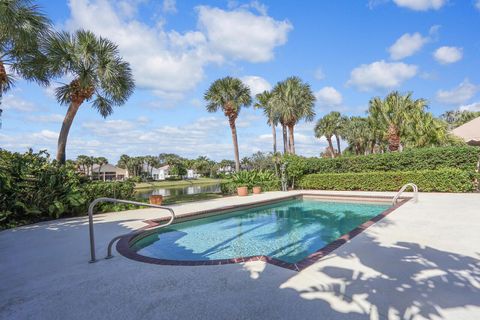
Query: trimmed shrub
441	180
463	157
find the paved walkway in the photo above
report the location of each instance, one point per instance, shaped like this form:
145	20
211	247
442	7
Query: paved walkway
420	262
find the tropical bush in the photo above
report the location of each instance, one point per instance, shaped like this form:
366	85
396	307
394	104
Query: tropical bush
440	180
463	157
265	179
34	189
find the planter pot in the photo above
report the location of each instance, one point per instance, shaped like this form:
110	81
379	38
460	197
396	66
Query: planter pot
242	191
156	199
257	190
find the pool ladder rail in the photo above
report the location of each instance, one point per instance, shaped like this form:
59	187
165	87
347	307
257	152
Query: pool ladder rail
113	200
399	193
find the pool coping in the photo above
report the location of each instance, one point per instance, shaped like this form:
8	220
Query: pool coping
124	244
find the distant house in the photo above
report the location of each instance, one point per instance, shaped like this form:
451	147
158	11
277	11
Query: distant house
108	172
192	174
157	173
226	170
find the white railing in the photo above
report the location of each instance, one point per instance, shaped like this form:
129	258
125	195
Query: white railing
90	223
399	193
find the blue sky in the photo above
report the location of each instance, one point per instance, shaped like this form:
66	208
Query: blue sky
349	51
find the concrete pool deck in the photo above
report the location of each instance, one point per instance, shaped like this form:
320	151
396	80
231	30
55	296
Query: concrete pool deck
420	262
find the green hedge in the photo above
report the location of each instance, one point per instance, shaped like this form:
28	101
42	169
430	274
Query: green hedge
463	157
441	180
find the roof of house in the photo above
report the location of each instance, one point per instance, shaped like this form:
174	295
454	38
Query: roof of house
109	168
469	132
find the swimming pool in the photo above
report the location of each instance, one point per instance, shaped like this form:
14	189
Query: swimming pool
286	232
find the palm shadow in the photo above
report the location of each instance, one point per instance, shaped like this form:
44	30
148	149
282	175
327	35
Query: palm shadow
401	281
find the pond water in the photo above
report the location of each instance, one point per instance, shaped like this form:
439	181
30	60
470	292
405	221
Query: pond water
179	191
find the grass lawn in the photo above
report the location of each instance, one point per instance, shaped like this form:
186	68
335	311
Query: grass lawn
180	183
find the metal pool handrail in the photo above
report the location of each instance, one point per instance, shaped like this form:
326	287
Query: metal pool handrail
90	222
415	192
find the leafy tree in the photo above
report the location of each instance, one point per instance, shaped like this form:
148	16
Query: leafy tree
99	75
293	100
229	95
23	27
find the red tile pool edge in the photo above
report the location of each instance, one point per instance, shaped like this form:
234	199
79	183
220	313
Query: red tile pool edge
123	245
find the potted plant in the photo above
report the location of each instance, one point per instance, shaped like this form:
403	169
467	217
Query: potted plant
257	190
242	181
156	199
242	191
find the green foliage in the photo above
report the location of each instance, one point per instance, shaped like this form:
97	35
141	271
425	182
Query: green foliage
441	180
34	189
464	158
112	189
265	179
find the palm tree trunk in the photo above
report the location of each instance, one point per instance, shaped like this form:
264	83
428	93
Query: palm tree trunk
231	120
285	141
67	123
274	135
330	147
338	144
291	139
3	81
393	138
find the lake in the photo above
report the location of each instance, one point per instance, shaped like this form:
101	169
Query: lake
179	191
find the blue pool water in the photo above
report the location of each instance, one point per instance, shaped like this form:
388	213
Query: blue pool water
289	231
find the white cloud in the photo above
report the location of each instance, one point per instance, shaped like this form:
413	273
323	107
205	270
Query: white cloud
54	117
256	84
458	95
319	74
169	6
240	34
11	102
477	4
421	5
446	55
407	45
328	97
381	74
171	63
470	107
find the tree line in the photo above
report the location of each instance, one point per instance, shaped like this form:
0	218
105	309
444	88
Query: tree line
31	49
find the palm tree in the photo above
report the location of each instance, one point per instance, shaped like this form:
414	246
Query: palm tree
263	102
359	135
22	29
100	161
100	75
325	127
293	100
394	113
332	124
229	95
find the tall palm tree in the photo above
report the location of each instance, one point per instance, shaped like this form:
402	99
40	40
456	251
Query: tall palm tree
99	75
22	29
293	100
229	95
263	102
394	112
